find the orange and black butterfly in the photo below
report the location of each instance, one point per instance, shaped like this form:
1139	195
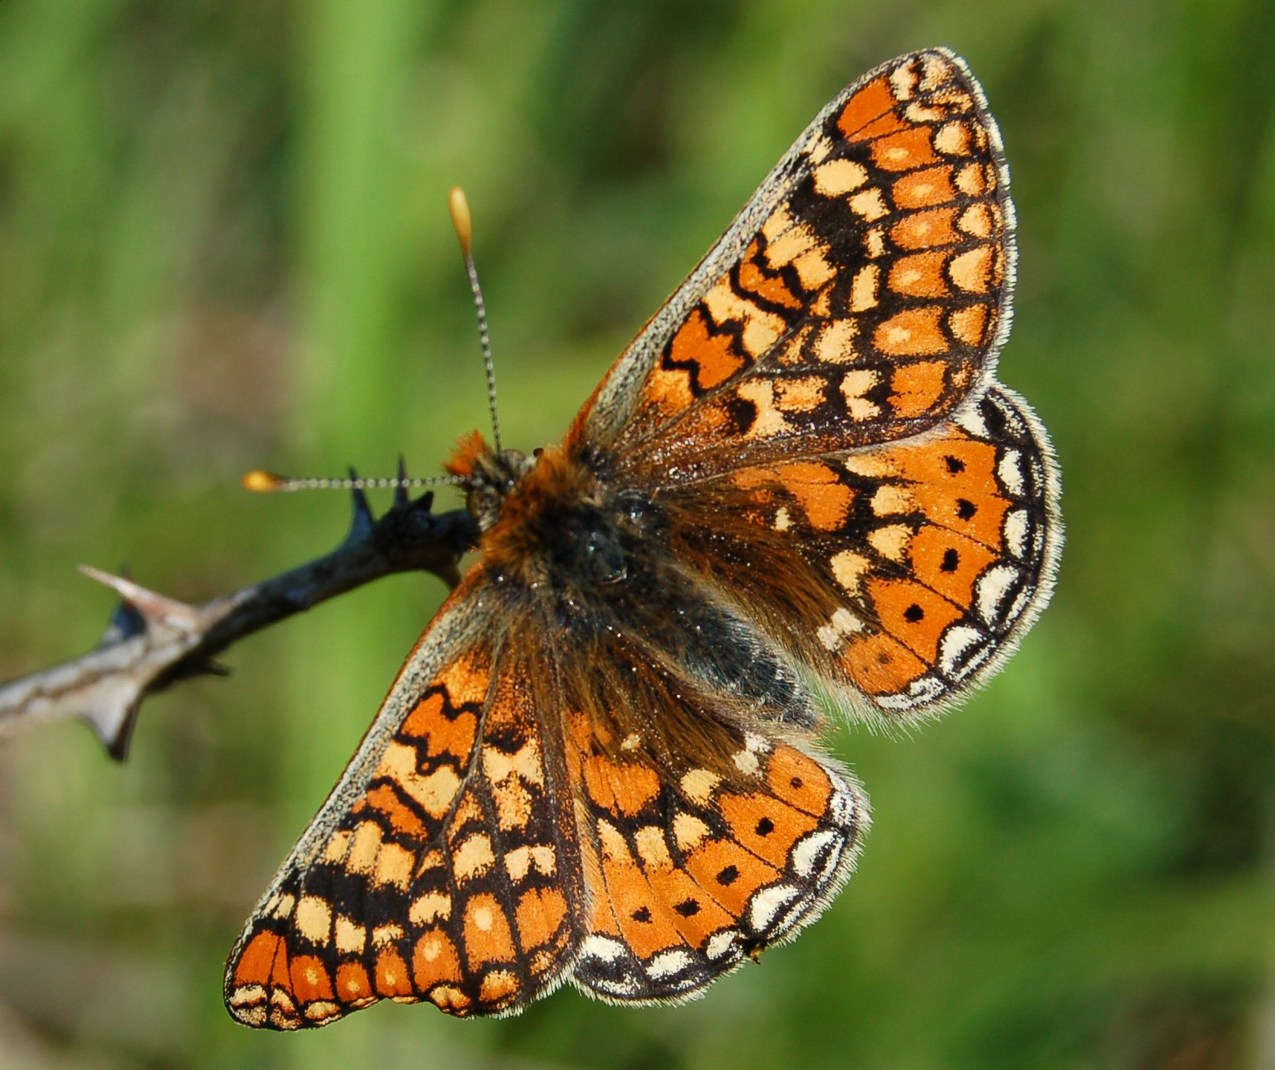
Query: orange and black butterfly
800	482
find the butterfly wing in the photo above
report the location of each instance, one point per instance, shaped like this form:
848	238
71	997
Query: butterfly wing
709	824
441	867
862	293
902	574
692	873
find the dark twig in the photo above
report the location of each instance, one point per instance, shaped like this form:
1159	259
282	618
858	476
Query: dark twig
153	641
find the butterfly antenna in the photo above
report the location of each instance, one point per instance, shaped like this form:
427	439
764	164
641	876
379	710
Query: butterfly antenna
461	220
260	481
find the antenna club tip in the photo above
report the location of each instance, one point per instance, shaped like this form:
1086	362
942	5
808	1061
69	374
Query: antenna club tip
262	482
461	220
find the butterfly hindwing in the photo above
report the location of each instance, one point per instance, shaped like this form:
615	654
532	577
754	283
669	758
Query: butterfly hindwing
902	574
694	875
709	825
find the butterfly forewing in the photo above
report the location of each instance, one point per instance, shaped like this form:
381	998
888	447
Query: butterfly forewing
443	868
857	298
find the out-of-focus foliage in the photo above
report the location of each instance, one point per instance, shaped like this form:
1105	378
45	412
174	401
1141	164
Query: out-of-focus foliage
224	244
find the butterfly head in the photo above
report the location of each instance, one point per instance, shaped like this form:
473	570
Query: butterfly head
487	475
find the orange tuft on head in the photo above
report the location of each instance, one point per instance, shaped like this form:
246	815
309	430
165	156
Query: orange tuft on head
464	457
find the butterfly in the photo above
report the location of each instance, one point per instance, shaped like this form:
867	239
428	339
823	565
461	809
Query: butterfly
801	485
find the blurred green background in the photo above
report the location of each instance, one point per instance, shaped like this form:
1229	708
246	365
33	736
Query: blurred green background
224	244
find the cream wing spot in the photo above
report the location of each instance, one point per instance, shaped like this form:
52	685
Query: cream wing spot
1018	529
652	849
669	964
816	854
429	908
994	588
337	847
313	919
863	291
902	83
473	857
891	499
866	464
975	221
800	395
612	841
835	342
433	792
769	421
971	270
760	328
698	785
970	180
838	177
522	860
854	389
792	243
766	909
689	831
842	624
959	642
746	762
364	847
389	933
891	541
952	139
849	569
526	763
351	937
922	113
869	205
1009	470
394	865
322	1011
723	944
819	149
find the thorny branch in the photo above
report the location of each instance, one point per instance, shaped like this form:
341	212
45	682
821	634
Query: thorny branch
153	641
